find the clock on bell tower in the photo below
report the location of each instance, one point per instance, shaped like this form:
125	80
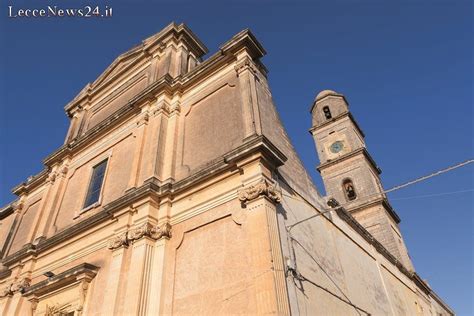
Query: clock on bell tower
349	173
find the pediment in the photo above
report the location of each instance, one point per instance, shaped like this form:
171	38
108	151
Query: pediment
119	64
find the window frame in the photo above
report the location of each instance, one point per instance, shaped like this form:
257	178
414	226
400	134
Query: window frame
328	112
84	207
346	181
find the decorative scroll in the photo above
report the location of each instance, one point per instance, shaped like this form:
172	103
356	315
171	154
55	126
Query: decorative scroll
160	232
21	285
6	291
15	287
118	241
264	188
152	231
139	232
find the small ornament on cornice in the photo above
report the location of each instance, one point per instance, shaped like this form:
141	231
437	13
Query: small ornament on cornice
263	188
143	119
161	107
6	291
18	206
64	170
139	232
158	232
20	286
151	231
118	241
175	107
52	176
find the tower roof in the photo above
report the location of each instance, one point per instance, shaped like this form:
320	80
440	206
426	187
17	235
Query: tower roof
325	93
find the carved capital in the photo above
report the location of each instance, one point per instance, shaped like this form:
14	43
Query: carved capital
52	177
161	107
139	232
175	107
264	188
118	241
64	170
143	119
6	291
158	232
18	206
148	230
20	286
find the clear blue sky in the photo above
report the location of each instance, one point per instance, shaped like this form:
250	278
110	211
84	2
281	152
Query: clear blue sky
405	67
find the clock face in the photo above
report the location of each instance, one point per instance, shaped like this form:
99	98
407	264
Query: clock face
336	147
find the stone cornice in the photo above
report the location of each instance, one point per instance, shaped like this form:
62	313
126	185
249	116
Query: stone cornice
177	31
381	200
5	273
32	183
352	154
244	38
337	118
7	210
84	271
165	84
441	302
154	189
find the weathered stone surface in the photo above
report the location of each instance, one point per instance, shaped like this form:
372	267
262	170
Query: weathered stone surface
197	202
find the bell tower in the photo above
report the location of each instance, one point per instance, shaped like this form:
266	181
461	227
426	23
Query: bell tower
349	173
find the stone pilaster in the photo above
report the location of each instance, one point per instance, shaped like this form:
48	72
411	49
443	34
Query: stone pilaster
145	269
245	70
118	245
140	138
260	201
169	151
12	299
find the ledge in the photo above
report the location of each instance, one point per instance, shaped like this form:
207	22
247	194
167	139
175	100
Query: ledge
153	188
32	183
7	210
244	38
5	273
336	118
354	153
381	200
84	271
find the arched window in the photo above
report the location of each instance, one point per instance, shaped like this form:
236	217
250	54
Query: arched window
349	190
327	112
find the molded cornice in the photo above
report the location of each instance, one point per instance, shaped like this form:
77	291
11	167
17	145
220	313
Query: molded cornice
354	153
244	39
83	271
155	190
32	183
336	118
385	204
178	31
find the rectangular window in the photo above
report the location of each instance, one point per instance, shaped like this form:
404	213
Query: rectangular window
93	192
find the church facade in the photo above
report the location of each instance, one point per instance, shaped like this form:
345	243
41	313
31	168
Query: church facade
177	191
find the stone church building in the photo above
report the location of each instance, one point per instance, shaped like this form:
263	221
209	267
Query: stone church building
177	191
